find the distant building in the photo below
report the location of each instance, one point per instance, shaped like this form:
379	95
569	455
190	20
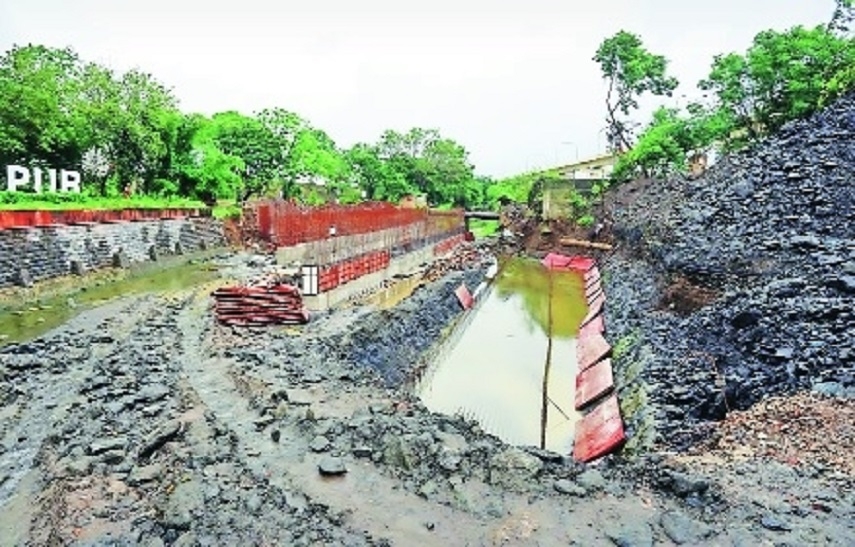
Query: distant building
580	176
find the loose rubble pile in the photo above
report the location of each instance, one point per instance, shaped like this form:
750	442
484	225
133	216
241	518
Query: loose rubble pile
463	257
146	422
805	429
772	231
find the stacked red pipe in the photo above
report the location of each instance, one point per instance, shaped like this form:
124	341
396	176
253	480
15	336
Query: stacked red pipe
273	305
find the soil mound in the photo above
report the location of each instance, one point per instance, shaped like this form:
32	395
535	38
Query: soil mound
772	231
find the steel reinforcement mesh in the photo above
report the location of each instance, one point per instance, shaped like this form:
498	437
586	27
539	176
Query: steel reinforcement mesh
285	224
373	234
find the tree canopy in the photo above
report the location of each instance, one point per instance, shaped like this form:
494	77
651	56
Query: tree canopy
784	75
630	71
127	131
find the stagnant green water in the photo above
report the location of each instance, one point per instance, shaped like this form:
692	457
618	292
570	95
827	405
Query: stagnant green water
512	364
22	321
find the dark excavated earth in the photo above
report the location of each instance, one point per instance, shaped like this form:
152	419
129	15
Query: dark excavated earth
144	422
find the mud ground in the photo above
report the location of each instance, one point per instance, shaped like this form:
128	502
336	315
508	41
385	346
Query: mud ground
143	422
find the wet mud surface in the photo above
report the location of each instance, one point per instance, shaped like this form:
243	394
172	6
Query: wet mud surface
143	422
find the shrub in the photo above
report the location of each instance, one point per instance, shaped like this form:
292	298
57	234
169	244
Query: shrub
585	220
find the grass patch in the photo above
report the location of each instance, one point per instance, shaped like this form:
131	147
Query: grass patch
24	201
483	228
226	211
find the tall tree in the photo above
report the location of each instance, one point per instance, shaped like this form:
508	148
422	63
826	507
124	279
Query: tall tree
843	17
782	76
630	71
249	139
37	100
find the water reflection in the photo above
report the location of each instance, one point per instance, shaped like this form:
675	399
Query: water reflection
513	367
34	318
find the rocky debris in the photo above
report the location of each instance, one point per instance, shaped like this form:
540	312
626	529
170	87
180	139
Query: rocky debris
771	522
159	437
464	257
392	343
566	486
319	444
628	533
794	430
186	499
139	382
681	528
331	466
514	469
764	239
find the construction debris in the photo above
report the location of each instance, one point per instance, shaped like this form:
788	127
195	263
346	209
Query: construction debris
571	242
462	258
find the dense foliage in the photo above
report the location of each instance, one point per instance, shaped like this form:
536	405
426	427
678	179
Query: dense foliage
126	134
783	76
630	71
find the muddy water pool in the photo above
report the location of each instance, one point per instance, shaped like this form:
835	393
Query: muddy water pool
25	320
511	362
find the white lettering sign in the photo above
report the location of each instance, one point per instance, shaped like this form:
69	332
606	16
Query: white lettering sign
18	177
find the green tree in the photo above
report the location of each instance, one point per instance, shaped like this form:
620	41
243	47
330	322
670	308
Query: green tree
377	177
843	16
258	148
631	71
203	169
430	164
37	91
781	77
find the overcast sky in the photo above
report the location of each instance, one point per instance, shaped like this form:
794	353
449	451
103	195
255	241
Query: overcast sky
513	81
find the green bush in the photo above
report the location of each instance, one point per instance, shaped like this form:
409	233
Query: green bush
585	220
23	201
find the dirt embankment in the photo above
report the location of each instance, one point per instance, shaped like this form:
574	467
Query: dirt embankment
759	256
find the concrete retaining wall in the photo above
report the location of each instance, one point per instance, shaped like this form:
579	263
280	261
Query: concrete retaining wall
397	241
38	253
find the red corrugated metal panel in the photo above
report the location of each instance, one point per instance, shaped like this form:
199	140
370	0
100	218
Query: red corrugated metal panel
599	432
591	349
593	383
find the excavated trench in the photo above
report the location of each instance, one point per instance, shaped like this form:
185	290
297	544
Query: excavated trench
144	422
510	363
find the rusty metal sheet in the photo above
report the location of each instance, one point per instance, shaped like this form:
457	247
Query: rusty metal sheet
595	309
600	432
590	350
597	325
599	299
593	383
594	288
464	296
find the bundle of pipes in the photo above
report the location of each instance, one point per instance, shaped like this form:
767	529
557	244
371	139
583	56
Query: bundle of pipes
270	305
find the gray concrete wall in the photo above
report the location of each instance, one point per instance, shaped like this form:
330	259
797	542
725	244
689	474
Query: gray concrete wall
334	249
46	252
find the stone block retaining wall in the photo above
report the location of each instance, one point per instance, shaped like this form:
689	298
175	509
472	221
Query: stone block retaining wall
38	253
